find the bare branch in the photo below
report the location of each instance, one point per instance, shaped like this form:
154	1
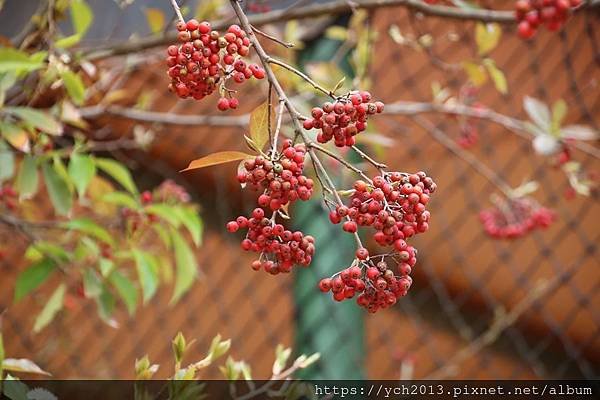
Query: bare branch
177	10
287	45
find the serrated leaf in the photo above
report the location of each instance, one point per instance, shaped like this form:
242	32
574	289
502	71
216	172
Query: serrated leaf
16	137
27	179
16	60
23	365
579	132
81	16
118	172
75	87
538	112
52	307
147	273
7	162
217	158
259	125
186	268
487	37
89	227
81	170
497	75
126	289
156	19
58	190
38	119
475	72
121	199
32	277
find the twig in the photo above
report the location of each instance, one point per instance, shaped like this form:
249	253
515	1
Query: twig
366	157
301	75
287	45
177	10
340	160
278	126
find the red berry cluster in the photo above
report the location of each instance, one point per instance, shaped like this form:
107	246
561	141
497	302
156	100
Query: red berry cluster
205	59
514	218
8	197
279	248
376	284
344	118
532	13
169	191
134	219
280	178
394	204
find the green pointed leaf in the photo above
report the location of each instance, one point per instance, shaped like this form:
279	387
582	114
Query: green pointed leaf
191	220
259	125
7	162
56	253
81	16
32	277
118	172
165	212
487	37
68	41
16	136
75	87
126	289
147	273
186	268
106	303
92	285
81	171
121	199
16	60
497	75
28	178
89	227
38	119
52	307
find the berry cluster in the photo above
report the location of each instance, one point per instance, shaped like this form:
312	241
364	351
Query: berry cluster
514	218
279	248
532	13
204	60
280	178
168	191
343	119
8	197
394	204
376	284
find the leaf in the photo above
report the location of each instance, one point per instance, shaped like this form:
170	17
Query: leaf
475	72
23	365
15	60
282	356
89	227
487	37
259	125
497	76
75	87
186	268
156	19
92	285
118	172
106	306
15	389
216	158
121	199
68	41
52	307
337	32
32	277
165	212
538	112
81	16
16	137
559	112
81	170
7	162
60	196
38	119
126	289
147	273
579	132
27	179
190	219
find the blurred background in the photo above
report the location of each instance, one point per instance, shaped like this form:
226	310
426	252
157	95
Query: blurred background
479	308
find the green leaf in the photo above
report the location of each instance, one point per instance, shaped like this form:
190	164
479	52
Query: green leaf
191	220
118	172
559	112
538	112
23	365
81	16
92	285
147	273
60	196
52	251
165	212
487	37
52	307
217	158
15	60
156	19
89	227
33	277
81	170
121	199
16	136
186	268
38	119
74	85
337	32
282	356
68	41
497	76
259	125
106	303
28	178
475	72
106	266
126	289
7	162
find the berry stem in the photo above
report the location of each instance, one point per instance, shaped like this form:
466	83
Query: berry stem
265	61
301	74
366	157
177	10
340	160
278	124
287	45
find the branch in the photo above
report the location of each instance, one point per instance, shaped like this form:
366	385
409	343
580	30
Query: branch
177	10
